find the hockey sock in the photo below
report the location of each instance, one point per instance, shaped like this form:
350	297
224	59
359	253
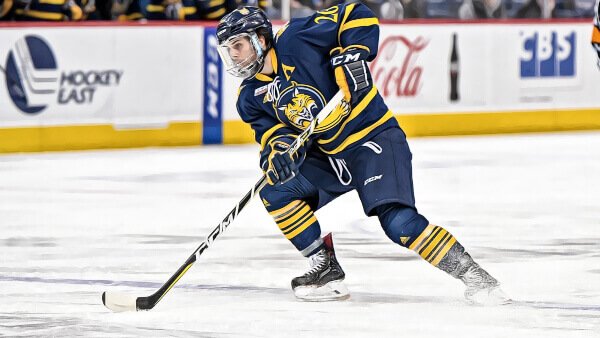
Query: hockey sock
298	223
435	245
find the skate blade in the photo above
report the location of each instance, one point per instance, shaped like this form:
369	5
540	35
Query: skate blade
331	291
489	297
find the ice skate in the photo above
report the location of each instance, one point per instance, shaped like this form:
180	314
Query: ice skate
324	280
482	288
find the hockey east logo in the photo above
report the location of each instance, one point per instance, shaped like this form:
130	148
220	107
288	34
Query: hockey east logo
34	80
547	53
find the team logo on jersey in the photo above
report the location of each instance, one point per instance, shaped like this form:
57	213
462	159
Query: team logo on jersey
299	103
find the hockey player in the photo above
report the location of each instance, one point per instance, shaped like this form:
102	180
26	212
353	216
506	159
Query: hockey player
596	31
360	146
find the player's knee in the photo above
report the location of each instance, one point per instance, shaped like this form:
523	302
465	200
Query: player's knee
401	224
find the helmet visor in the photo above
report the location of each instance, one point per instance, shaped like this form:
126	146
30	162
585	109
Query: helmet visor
241	55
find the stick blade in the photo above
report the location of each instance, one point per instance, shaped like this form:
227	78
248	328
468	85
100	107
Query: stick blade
119	302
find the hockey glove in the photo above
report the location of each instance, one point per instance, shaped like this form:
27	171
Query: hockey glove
279	165
352	74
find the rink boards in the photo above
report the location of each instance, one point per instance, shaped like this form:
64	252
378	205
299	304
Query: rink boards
107	86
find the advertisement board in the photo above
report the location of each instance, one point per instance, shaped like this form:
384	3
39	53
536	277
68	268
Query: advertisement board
100	76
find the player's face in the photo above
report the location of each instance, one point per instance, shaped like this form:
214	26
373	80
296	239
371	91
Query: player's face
240	50
240	54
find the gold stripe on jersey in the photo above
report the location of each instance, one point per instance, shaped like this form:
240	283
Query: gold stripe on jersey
358	23
359	135
40	15
155	8
214	3
52	2
6	6
263	77
596	35
349	9
189	10
273	59
355	112
216	14
267	135
344	49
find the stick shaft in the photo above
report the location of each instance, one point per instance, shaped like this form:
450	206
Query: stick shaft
147	303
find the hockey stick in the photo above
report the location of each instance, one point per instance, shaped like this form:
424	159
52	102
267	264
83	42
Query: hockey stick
121	302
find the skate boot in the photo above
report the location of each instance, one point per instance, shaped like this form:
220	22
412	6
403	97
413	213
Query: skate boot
324	280
482	288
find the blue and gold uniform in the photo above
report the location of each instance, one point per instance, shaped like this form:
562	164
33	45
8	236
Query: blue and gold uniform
359	146
49	10
304	81
342	155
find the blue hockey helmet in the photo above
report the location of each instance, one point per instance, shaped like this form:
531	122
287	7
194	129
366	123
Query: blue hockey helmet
245	23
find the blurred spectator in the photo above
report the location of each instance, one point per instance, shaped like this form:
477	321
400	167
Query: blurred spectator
384	9
6	7
413	9
126	10
95	9
481	9
574	8
535	9
443	9
43	10
165	10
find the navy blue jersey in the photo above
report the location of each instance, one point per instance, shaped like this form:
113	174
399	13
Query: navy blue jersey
304	81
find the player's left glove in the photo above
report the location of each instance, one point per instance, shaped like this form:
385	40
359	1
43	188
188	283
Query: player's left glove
352	74
279	165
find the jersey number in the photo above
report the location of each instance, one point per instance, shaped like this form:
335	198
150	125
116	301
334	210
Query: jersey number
330	14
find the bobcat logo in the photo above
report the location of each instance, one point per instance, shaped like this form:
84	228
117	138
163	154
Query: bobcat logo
298	104
298	112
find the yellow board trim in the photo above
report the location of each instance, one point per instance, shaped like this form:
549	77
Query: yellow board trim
33	139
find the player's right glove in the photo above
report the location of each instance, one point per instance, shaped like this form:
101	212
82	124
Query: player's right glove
352	74
279	165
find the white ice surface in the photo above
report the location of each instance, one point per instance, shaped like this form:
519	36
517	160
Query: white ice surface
73	225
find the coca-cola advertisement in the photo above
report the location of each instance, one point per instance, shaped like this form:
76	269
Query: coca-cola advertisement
396	70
